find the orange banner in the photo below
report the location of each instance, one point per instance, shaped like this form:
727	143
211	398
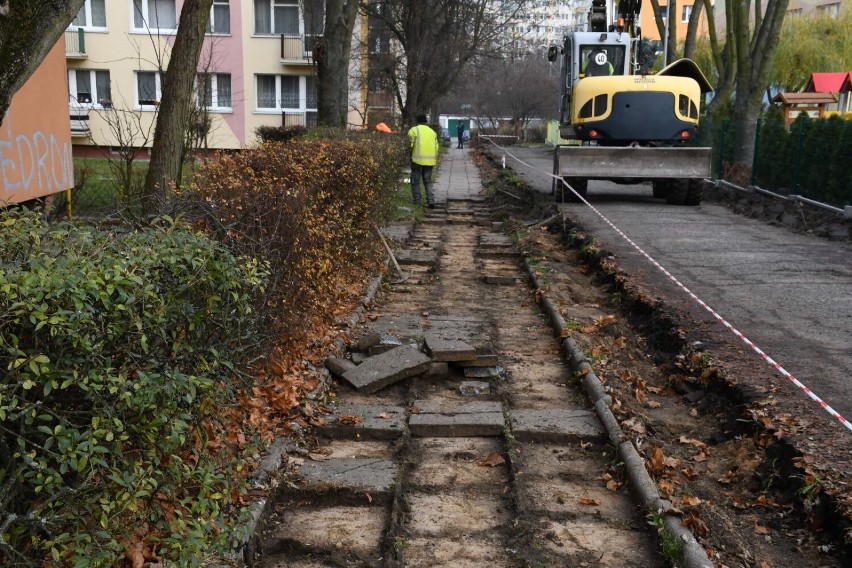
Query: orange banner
35	136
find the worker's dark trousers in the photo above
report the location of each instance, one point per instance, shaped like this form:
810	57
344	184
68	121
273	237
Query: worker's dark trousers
418	171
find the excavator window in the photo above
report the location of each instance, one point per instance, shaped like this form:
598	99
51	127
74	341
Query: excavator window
601	60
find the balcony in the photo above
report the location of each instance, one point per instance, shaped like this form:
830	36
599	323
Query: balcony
79	124
75	44
307	119
298	49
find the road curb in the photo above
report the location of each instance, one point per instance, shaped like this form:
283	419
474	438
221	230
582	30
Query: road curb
643	486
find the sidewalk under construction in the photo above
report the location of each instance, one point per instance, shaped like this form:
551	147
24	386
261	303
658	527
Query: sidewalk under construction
460	437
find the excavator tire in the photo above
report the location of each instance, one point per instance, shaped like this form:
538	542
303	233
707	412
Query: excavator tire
678	192
660	188
695	192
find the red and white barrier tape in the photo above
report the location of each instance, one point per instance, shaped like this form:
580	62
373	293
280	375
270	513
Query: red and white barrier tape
701	302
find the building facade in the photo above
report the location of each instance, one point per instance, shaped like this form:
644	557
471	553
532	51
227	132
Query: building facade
256	69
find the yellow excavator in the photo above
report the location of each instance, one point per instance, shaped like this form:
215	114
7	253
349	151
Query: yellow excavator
619	124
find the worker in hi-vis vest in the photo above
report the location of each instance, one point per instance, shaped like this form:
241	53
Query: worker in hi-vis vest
424	156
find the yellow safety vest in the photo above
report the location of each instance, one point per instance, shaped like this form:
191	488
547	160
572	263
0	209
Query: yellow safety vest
424	145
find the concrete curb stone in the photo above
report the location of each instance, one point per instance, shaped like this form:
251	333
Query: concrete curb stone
641	482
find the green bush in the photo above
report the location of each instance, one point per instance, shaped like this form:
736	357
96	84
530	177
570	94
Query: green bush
118	352
279	133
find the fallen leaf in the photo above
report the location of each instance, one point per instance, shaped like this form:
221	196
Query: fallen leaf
653	404
385	415
691	501
373	317
671	462
606	320
353	420
700	457
587	501
699	527
727	478
693	442
760	530
740	503
658	459
318	457
492	459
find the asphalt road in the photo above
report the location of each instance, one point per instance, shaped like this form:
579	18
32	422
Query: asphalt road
791	294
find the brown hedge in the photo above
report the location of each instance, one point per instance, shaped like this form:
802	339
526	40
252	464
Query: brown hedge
306	206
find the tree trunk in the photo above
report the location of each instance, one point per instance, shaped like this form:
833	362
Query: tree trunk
754	60
692	30
28	31
332	56
176	102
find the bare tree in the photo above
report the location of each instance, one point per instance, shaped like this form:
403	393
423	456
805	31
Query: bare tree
28	31
437	38
176	103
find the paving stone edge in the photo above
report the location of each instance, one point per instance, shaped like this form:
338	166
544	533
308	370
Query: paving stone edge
643	486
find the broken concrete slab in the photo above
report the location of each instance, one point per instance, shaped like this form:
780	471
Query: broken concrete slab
383	347
494	240
453	419
351	477
409	256
444	346
483	372
338	366
383	341
364	421
474	388
482	360
388	368
555	425
499	280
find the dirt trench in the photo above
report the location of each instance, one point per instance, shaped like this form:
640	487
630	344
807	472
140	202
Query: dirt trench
504	467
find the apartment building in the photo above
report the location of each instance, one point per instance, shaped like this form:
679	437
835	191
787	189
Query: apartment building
682	12
812	7
256	69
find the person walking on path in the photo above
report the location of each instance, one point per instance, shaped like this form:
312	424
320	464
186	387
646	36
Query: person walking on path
424	156
460	134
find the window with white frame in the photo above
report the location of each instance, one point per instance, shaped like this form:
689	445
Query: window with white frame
294	93
148	89
832	10
276	17
220	18
214	91
154	15
89	88
91	15
685	14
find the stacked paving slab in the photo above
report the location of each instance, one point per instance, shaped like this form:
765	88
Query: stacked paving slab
455	440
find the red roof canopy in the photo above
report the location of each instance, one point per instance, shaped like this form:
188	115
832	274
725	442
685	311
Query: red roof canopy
827	82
